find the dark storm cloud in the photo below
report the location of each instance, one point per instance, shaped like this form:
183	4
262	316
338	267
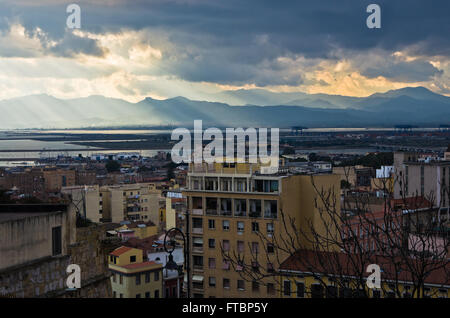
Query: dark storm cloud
238	41
414	71
71	44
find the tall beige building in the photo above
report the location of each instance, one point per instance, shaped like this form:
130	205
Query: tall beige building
87	201
141	201
229	205
427	178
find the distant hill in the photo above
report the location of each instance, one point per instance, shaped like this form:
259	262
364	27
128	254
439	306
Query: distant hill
415	106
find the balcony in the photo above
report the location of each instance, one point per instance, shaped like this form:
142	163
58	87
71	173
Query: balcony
197	230
270	215
226	213
255	214
197	249
211	212
197	211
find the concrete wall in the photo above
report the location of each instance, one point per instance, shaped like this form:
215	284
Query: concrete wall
46	277
30	238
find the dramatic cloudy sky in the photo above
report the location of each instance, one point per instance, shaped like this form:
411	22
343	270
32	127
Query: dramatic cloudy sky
163	48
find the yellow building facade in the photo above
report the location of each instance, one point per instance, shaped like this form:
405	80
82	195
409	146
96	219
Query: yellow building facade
231	206
298	284
132	277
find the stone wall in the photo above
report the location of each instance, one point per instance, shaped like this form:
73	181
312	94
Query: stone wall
47	277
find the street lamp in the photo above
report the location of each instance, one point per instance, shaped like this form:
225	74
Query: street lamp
171	264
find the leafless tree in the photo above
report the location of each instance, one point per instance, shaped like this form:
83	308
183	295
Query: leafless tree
407	237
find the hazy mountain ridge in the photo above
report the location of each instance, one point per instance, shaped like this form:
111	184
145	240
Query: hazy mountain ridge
416	106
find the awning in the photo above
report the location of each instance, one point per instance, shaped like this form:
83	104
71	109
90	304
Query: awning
197	278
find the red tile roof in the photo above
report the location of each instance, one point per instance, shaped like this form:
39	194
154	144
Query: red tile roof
120	250
145	244
341	265
417	202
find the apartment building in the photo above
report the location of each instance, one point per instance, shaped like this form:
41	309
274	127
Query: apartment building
134	202
230	205
425	178
87	201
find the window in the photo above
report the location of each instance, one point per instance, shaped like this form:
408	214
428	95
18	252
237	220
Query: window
255	286
211	206
197	243
120	279
212	282
332	292
114	277
156	277
255	248
255	208
197	223
255	227
270	248
226	225
147	277
226	283
225	206
133	259
239	266
226	245
211	243
266	185
270	209
300	290
138	295
138	279
240	207
360	293
240	246
114	294
211	224
287	288
157	293
316	291
240	226
56	241
269	228
226	264
211	263
269	267
390	294
197	203
198	261
147	295
270	289
240	284
121	295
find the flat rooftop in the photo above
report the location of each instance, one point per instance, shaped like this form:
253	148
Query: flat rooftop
11	212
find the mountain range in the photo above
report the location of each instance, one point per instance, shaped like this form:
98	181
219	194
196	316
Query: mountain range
246	108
